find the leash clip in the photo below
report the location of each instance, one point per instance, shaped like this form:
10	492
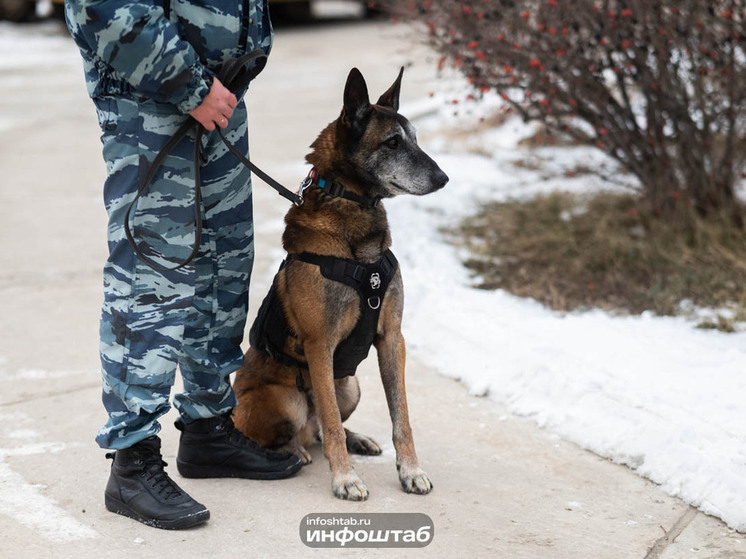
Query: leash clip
308	181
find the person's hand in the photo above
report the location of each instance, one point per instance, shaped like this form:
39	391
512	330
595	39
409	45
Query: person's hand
216	108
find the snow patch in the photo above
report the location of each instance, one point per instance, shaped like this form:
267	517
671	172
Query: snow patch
652	393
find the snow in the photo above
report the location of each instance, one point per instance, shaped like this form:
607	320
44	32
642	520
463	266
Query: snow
655	394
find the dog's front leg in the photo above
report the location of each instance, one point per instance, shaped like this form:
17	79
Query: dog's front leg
391	359
345	482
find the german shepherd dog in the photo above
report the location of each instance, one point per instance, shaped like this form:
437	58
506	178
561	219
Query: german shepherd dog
288	402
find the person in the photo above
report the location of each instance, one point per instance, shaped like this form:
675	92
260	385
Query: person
148	68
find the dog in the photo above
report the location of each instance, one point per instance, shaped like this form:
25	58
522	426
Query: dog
339	291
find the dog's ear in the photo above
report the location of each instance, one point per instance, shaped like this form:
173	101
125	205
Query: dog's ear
356	102
391	97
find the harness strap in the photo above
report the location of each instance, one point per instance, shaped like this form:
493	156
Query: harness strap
340	269
353	273
270	331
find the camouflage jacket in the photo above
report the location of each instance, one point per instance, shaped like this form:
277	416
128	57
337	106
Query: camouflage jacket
131	47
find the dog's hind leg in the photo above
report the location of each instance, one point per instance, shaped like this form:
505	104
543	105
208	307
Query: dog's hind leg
358	443
303	438
275	416
348	397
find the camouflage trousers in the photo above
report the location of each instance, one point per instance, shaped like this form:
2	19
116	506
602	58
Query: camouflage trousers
192	318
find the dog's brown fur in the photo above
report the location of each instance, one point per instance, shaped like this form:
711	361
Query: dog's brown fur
370	150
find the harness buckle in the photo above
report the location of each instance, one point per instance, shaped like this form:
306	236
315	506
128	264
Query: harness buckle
333	188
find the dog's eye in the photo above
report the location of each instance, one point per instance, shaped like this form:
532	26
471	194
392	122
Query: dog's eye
392	143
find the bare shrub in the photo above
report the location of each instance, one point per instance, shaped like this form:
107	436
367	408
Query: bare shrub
660	86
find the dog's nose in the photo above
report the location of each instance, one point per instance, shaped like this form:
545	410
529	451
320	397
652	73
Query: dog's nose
440	179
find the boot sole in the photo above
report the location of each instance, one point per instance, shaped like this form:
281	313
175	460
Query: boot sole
119	507
202	472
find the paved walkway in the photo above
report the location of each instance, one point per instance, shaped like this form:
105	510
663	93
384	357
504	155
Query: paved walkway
503	488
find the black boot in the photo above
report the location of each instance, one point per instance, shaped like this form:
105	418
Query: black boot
215	448
138	487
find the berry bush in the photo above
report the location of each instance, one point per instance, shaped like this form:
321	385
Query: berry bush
659	85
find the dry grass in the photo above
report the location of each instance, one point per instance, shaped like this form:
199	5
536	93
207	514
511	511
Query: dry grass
608	252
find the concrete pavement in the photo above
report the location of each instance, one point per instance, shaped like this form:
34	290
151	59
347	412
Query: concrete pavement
503	487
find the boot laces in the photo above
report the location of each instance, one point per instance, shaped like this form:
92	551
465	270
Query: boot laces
157	477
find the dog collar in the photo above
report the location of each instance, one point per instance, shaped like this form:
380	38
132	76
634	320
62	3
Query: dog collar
335	190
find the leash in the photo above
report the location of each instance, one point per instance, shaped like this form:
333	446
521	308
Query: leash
235	74
295	198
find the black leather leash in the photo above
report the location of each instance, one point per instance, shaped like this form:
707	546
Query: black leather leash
235	75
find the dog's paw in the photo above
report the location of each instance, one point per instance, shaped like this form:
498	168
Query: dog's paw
415	481
349	487
361	444
303	454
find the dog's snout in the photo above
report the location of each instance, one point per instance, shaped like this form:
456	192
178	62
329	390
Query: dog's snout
440	179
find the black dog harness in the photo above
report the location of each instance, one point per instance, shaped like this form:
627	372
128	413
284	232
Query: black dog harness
270	330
